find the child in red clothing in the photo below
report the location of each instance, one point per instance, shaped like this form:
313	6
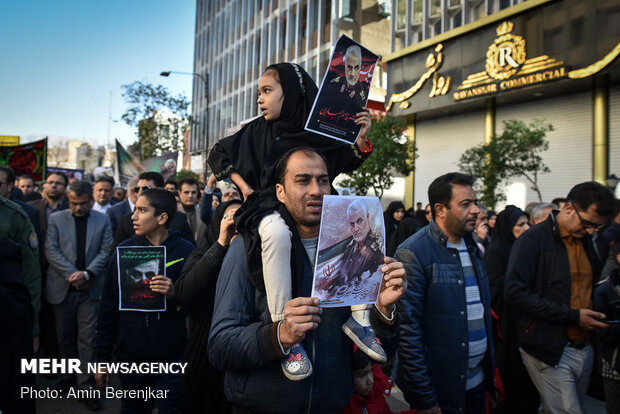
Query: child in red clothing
370	387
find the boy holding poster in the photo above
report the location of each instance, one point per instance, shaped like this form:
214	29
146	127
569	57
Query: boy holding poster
145	333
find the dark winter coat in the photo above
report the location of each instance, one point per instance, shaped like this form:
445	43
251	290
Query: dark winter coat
433	353
142	336
538	286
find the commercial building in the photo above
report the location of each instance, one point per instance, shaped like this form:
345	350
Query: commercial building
236	39
455	80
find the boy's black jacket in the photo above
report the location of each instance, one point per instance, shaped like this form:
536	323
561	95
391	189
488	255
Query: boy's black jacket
142	336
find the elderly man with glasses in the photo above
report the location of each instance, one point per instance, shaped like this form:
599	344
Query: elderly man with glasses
552	270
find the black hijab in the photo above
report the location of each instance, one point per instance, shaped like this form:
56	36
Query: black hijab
503	238
406	228
388	217
498	253
213	232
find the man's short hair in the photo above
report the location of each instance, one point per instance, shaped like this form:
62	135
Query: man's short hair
358	204
62	174
585	194
162	201
558	200
24	177
188	181
352	50
538	211
10	174
80	188
172	181
440	190
156	177
106	179
483	207
132	182
124	190
282	164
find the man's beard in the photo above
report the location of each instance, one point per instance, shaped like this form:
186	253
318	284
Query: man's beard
54	196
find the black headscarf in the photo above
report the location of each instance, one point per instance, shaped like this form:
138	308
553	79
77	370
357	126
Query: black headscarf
213	232
498	253
388	217
503	238
406	228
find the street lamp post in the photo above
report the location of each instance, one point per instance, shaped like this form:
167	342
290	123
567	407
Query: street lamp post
205	125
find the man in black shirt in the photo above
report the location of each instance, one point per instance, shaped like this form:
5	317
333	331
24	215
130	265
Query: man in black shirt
77	249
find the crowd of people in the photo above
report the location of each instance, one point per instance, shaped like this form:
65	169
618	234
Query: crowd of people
478	310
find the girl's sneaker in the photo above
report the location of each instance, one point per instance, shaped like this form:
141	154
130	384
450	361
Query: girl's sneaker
297	366
366	339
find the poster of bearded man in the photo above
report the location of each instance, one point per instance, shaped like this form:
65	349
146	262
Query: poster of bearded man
136	268
343	92
350	251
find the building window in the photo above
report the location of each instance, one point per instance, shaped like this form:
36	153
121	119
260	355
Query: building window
435	8
418	8
401	15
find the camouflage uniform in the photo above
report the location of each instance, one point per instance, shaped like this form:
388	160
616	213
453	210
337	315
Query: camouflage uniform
15	225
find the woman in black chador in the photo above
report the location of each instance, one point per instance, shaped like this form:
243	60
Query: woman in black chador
195	289
521	395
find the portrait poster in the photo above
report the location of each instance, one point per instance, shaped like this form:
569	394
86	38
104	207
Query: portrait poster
165	164
28	159
350	251
343	92
71	173
136	267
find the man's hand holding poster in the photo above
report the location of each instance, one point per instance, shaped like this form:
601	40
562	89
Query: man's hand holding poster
350	251
136	268
344	91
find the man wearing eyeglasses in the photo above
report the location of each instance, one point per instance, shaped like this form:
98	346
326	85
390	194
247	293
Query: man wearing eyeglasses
549	282
125	228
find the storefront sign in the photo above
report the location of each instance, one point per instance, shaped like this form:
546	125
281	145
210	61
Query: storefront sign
507	67
530	49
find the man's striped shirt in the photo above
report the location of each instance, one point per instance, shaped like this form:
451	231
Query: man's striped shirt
475	318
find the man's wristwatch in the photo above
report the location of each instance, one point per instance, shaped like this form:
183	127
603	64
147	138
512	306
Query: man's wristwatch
86	275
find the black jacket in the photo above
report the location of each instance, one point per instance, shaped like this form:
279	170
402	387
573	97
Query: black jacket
142	336
538	286
243	343
195	289
16	340
179	223
433	349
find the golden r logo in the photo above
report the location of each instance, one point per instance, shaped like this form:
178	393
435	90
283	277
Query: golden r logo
506	54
